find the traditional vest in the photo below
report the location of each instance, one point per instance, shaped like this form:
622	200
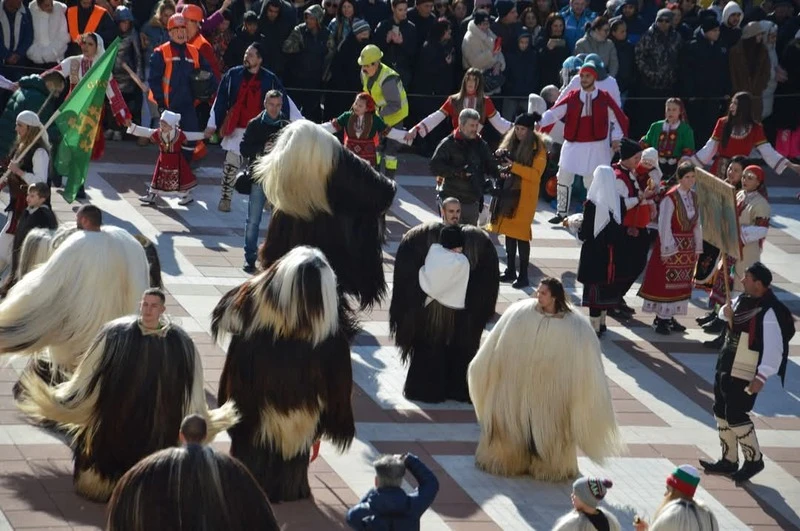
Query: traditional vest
578	128
681	222
166	52
91	24
380	101
249	100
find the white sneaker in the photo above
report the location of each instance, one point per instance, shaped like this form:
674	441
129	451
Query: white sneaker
148	199
185	200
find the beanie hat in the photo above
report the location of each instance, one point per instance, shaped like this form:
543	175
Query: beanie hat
708	20
650	155
665	13
589	67
527	120
752	29
572	64
684	479
360	26
760	272
122	14
479	17
599	65
757	171
628	148
503	8
524	34
591	490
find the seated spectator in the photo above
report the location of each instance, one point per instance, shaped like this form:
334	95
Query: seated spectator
388	506
50	36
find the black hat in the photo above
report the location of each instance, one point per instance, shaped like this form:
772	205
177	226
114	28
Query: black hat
480	16
628	148
503	8
708	20
760	272
527	119
451	237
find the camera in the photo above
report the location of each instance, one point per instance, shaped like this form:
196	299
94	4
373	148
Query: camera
503	159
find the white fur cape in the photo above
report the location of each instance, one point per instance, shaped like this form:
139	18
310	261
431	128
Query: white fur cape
540	392
575	521
90	279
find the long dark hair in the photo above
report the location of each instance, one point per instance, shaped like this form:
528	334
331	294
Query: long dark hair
557	292
458	98
743	117
522	152
548	25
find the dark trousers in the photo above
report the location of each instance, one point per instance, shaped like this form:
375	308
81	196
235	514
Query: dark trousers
731	402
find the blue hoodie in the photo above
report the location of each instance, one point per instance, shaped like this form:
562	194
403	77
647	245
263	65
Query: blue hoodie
391	507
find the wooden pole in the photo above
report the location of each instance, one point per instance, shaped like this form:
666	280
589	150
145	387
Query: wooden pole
136	79
32	143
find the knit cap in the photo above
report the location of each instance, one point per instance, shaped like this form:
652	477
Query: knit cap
650	155
591	490
503	8
360	26
684	479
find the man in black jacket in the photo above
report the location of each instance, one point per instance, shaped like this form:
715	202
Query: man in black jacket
259	136
463	160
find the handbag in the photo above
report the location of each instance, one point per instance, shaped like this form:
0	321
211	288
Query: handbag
243	182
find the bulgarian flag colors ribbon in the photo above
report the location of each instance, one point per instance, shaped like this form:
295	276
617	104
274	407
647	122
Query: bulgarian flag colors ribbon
78	119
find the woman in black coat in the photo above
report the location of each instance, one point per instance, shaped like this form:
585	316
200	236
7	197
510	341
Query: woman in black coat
552	50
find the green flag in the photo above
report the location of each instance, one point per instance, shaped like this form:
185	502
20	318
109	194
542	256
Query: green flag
78	120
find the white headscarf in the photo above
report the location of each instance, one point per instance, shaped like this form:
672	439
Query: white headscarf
31	119
445	276
101	48
603	194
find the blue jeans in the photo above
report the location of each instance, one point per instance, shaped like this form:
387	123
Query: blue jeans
255	209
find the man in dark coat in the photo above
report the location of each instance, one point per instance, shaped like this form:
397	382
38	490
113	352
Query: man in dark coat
705	77
275	22
463	160
399	46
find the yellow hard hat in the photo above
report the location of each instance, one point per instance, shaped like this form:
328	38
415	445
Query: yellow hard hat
370	54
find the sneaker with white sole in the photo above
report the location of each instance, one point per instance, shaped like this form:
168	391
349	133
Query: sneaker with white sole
148	199
185	200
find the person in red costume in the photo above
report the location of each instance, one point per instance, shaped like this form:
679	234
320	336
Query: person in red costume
471	96
590	117
738	133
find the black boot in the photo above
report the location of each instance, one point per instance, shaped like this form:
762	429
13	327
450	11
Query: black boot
662	326
707	318
749	469
522	281
723	466
81	193
509	275
718	341
511	259
675	326
715	327
524	259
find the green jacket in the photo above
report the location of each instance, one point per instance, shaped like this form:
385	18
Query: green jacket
31	96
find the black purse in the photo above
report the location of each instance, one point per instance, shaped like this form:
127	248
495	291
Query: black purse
244	182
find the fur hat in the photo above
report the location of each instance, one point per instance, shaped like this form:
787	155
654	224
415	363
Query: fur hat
628	148
761	273
503	8
591	490
684	479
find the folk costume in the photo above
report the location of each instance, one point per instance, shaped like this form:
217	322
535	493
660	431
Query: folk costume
287	368
540	393
669	275
741	142
186	489
35	164
672	141
590	118
601	234
73	69
757	346
680	509
59	307
440	306
590	491
32	218
172	172
126	400
452	107
325	196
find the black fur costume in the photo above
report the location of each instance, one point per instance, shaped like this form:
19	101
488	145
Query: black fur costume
350	237
126	400
440	342
291	381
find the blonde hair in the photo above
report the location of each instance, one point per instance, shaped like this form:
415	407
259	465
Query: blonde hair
295	173
159	9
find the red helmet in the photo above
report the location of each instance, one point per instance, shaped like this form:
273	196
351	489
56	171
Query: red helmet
176	21
192	12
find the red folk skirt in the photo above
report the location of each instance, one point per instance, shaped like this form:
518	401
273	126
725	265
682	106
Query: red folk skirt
172	173
363	147
670	281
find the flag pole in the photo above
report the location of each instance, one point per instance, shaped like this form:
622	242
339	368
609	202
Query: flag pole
32	143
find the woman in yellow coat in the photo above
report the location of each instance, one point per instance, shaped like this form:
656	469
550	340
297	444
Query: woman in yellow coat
524	155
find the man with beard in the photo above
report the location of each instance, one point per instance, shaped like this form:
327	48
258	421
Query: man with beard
240	98
588	115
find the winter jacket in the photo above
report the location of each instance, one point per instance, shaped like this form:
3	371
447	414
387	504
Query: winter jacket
23	33
156	36
456	157
391	507
477	49
657	58
373	12
237	46
130	53
180	96
729	36
50	36
704	69
550	61
635	24
522	73
605	49
229	90
259	131
575	26
275	34
308	51
402	58
31	96
626	73
508	34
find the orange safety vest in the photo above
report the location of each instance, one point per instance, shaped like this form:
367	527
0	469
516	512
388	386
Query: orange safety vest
91	25
166	52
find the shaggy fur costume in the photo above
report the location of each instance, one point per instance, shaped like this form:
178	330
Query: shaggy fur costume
575	521
63	303
125	401
189	489
288	369
326	197
684	515
540	393
436	341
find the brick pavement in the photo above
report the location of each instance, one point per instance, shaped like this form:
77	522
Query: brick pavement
661	387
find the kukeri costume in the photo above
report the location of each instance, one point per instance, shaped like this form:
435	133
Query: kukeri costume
287	368
126	400
540	393
437	320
